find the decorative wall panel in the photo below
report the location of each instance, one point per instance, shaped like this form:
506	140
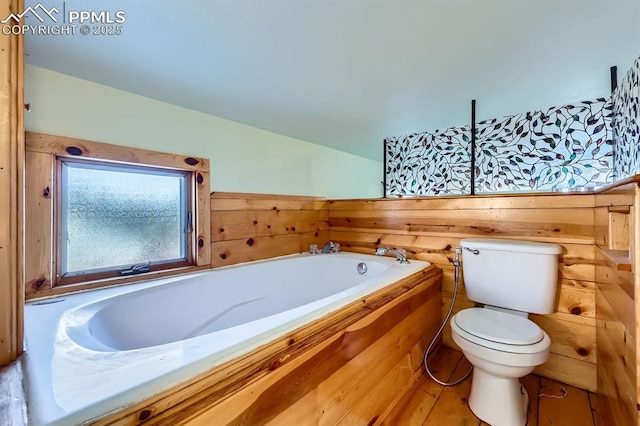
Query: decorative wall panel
626	124
429	163
562	148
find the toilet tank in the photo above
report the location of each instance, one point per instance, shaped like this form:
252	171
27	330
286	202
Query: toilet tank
518	275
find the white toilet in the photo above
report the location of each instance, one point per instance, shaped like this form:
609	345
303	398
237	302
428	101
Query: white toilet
512	279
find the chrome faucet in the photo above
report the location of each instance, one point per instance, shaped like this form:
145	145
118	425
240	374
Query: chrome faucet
331	247
401	254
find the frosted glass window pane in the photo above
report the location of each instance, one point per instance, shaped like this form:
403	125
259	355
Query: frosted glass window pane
115	216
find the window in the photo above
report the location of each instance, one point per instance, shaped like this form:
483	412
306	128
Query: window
98	214
115	218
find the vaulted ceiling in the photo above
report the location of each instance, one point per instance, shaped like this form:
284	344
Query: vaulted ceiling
347	73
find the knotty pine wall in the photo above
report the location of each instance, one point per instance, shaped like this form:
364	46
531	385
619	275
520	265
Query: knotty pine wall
430	229
11	187
617	258
249	227
246	227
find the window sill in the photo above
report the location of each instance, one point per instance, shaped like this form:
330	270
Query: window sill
114	281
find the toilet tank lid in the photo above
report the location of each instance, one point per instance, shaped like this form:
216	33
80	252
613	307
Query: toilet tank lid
511	245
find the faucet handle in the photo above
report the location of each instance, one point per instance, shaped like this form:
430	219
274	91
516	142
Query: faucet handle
313	249
402	252
336	247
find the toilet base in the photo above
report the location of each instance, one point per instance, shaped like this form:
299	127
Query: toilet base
499	401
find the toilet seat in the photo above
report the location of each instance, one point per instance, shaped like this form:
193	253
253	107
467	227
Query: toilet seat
498	326
500	331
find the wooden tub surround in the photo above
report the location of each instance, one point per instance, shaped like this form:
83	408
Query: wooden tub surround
339	369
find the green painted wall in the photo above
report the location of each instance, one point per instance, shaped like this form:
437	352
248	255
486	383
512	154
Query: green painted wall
243	158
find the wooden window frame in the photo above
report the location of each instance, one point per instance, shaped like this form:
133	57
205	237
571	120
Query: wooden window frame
44	153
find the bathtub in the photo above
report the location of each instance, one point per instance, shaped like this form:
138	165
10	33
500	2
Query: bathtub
93	353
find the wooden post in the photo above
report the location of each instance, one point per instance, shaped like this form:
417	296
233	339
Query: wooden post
11	184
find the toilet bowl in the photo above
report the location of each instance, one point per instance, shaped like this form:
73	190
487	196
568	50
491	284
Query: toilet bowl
502	347
511	279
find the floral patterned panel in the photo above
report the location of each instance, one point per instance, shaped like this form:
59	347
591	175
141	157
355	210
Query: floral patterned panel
557	149
429	163
626	124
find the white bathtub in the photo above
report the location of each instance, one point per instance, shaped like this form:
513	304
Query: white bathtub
92	353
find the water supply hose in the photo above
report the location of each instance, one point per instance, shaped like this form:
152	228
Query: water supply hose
456	279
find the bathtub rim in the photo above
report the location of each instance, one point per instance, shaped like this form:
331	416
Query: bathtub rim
89	309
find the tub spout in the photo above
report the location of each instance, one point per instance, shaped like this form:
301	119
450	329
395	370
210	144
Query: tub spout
331	247
400	254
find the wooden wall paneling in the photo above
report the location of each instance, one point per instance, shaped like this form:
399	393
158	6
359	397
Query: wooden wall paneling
39	214
345	351
617	369
601	228
617	287
479	202
576	298
203	226
570	339
581	374
431	229
247	227
617	304
634	240
257	248
621	195
11	188
576	262
568	225
619	230
634	257
234	225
